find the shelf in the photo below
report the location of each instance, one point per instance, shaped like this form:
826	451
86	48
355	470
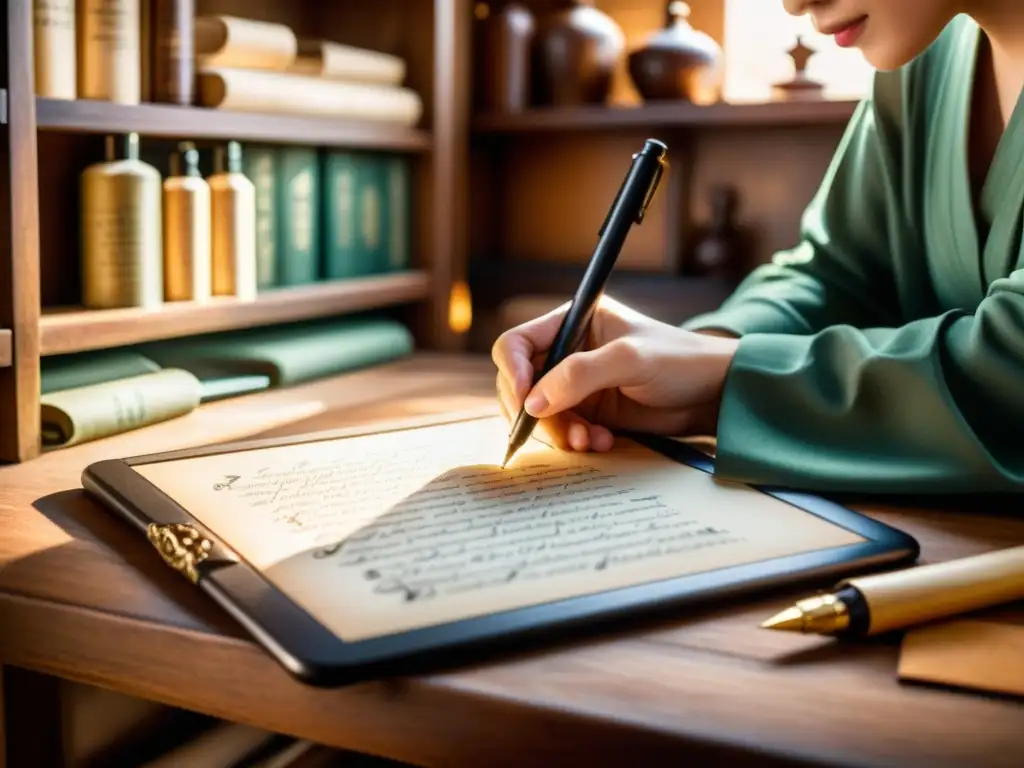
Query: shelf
162	120
6	351
76	330
667	115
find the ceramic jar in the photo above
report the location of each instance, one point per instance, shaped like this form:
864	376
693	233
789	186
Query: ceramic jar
503	37
677	62
576	49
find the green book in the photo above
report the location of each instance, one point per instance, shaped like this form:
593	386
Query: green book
290	354
298	216
370	232
342	256
259	164
397	214
83	369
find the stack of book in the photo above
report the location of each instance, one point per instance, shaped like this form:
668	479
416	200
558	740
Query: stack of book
322	214
259	66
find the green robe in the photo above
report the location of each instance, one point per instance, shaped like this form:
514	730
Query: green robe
885	352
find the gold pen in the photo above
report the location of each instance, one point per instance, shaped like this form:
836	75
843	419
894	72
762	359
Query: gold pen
878	603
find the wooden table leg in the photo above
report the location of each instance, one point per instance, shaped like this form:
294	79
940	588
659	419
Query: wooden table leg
30	720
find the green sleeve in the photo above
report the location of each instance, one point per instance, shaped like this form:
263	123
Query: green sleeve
929	407
839	271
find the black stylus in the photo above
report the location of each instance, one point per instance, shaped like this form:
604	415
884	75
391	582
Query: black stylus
628	208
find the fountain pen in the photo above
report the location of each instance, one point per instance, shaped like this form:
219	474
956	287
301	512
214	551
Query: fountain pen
628	208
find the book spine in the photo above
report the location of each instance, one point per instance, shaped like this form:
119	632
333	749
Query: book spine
260	165
298	222
372	214
342	257
55	48
110	62
229	41
74	416
277	92
172	46
398	216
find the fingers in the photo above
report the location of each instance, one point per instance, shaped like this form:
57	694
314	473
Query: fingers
515	350
617	364
565	431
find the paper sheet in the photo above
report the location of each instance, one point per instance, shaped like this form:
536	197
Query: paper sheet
983	651
399	530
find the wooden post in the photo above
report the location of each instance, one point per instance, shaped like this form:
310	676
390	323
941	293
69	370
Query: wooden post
449	180
19	238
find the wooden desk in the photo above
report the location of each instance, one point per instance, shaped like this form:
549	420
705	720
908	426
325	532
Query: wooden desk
84	598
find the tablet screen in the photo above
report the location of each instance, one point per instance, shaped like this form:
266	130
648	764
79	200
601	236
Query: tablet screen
395	531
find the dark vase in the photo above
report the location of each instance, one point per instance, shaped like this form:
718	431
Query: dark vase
503	36
576	49
719	253
677	62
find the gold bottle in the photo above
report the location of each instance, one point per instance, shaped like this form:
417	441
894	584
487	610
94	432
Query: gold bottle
233	214
121	223
187	274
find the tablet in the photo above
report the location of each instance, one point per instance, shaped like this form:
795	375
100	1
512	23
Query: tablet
359	554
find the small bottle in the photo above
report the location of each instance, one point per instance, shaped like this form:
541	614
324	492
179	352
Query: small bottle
121	224
187	250
110	55
233	214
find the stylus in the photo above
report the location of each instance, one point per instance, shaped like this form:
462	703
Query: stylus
628	208
870	605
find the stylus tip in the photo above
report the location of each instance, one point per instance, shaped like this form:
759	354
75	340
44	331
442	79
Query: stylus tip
789	620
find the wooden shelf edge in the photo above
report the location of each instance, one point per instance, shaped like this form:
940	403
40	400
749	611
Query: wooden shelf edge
168	121
6	349
669	114
79	330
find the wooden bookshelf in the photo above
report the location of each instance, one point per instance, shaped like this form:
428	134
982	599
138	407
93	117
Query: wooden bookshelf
77	330
6	353
667	115
161	120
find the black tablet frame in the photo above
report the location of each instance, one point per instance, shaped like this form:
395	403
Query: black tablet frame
316	656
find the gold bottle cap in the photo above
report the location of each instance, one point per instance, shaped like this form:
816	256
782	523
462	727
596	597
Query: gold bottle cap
123	146
228	158
185	161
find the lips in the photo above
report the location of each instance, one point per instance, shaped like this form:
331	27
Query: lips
845	33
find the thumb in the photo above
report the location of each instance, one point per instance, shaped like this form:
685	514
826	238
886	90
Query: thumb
582	374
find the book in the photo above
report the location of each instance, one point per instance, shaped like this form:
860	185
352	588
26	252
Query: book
259	163
335	61
397	213
83	369
73	416
297	211
289	354
229	41
342	255
252	90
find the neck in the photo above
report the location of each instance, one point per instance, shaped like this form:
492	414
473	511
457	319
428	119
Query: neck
1003	25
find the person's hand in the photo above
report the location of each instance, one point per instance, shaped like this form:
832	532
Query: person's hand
632	373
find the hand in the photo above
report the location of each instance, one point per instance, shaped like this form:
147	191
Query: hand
631	373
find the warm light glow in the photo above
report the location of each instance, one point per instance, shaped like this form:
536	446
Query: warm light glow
460	308
758	34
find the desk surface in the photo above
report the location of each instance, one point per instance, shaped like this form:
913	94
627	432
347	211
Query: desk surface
83	597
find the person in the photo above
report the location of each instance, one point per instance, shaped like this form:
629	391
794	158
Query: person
884	353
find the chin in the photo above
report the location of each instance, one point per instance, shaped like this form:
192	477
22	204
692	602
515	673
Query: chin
888	55
885	60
